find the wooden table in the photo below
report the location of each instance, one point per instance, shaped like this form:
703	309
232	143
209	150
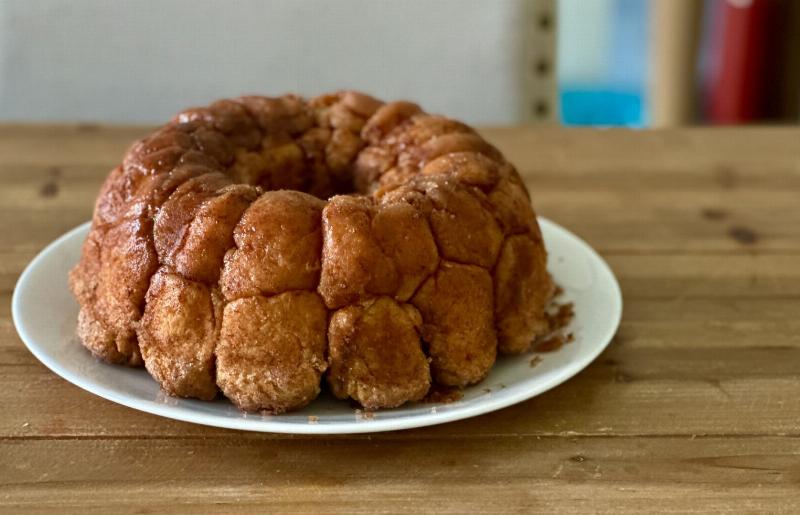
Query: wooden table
695	406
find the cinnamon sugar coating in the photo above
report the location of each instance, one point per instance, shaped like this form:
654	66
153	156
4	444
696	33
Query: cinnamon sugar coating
249	246
375	354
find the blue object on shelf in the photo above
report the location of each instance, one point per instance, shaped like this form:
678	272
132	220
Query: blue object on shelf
585	106
603	64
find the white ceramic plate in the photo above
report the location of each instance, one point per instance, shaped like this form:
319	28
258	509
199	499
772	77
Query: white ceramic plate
45	314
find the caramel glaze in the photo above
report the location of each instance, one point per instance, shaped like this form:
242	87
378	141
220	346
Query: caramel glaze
257	244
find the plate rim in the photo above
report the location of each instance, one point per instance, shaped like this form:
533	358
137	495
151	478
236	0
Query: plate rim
375	425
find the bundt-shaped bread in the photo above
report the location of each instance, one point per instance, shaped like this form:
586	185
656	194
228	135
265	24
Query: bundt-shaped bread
257	244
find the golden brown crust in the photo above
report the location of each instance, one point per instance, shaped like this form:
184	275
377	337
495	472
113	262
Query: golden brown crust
178	333
375	355
271	351
278	246
83	278
372	250
403	233
173	220
220	238
128	260
460	218
354	264
386	118
209	236
458	323
523	289
101	340
288	113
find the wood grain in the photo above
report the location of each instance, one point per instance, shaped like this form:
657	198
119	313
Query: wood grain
694	408
539	475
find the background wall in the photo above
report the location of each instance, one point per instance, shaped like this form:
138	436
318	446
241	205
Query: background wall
93	60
